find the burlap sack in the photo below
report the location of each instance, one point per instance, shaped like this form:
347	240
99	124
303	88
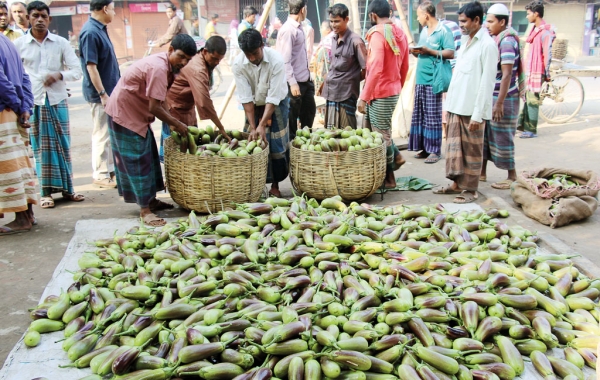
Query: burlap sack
587	178
567	208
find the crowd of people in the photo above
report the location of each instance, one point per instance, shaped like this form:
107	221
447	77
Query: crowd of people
276	90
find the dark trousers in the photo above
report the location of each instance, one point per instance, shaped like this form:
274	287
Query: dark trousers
302	107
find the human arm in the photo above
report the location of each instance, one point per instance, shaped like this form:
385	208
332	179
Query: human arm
547	53
446	44
284	47
489	61
9	93
374	68
157	109
498	111
169	34
92	70
71	62
404	60
199	84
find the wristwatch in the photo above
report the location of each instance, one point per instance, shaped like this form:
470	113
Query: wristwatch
103	92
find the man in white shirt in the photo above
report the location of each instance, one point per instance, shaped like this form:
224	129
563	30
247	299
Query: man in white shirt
469	104
50	62
259	75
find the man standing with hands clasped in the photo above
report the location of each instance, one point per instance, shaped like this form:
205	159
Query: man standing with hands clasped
469	104
100	76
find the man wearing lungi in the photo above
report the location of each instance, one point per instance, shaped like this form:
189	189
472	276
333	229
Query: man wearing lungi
192	86
259	75
426	124
499	146
18	191
135	102
50	62
348	62
469	104
537	66
387	66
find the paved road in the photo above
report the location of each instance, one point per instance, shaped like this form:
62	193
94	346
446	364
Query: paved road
28	260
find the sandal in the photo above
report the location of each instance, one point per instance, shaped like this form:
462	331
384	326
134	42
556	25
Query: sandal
9	231
157	205
275	193
482	178
465	197
421	155
46	202
503	185
153	220
75	197
432	159
446	190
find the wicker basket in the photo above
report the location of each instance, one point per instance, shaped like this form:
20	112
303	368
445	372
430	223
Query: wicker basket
559	48
209	184
351	175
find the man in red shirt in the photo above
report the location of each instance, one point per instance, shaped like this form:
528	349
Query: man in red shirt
387	66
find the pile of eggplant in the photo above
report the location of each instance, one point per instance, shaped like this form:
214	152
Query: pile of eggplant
337	140
210	142
297	289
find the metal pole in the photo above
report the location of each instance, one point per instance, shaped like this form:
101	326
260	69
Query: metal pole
364	27
318	14
231	89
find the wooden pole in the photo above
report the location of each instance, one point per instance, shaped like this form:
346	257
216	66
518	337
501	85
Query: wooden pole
409	35
231	89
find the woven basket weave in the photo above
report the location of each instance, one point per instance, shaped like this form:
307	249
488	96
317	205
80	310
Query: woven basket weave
209	184
351	175
559	48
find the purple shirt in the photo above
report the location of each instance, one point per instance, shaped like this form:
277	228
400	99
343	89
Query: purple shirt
291	43
15	87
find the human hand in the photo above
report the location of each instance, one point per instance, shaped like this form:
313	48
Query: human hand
104	100
180	128
295	89
24	120
474	126
261	131
224	134
361	106
52	78
498	111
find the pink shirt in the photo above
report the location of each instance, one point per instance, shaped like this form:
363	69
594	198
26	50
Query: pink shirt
129	103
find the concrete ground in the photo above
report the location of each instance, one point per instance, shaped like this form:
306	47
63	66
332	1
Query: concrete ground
28	260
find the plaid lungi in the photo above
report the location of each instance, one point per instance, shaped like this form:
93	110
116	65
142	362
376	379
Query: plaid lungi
341	114
464	152
51	144
528	120
278	138
426	123
136	164
379	115
499	145
17	179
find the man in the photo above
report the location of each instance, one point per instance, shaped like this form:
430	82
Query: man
18	10
469	104
18	191
321	60
132	107
50	62
348	62
426	123
387	67
259	75
175	28
5	24
211	27
441	14
100	76
291	43
499	146
192	86
249	19
309	34
538	67
195	32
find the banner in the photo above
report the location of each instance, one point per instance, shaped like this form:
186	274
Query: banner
148	7
63	11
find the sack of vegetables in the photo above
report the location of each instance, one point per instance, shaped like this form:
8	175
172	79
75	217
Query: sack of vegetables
206	173
347	163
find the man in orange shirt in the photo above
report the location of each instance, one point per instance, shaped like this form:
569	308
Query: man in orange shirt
387	66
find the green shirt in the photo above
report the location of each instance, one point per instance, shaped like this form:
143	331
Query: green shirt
440	39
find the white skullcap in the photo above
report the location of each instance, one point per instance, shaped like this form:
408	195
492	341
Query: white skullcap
498	10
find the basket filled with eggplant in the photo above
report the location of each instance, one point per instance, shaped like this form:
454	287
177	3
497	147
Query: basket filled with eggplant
207	173
333	162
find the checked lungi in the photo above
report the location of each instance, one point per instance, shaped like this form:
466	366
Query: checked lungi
379	115
528	120
341	114
499	145
464	152
426	123
17	179
51	143
136	164
278	138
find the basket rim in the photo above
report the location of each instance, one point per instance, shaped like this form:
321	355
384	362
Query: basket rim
217	156
339	151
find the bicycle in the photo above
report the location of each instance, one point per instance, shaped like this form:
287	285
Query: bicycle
562	97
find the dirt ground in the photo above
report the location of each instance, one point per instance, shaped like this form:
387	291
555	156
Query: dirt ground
28	260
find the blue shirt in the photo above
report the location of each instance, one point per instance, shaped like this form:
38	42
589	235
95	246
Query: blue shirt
15	87
95	47
441	39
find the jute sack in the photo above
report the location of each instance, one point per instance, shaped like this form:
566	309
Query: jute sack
567	205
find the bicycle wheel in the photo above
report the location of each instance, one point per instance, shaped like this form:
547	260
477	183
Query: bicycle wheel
561	99
216	80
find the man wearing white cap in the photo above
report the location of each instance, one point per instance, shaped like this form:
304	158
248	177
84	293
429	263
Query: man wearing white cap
469	104
499	144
